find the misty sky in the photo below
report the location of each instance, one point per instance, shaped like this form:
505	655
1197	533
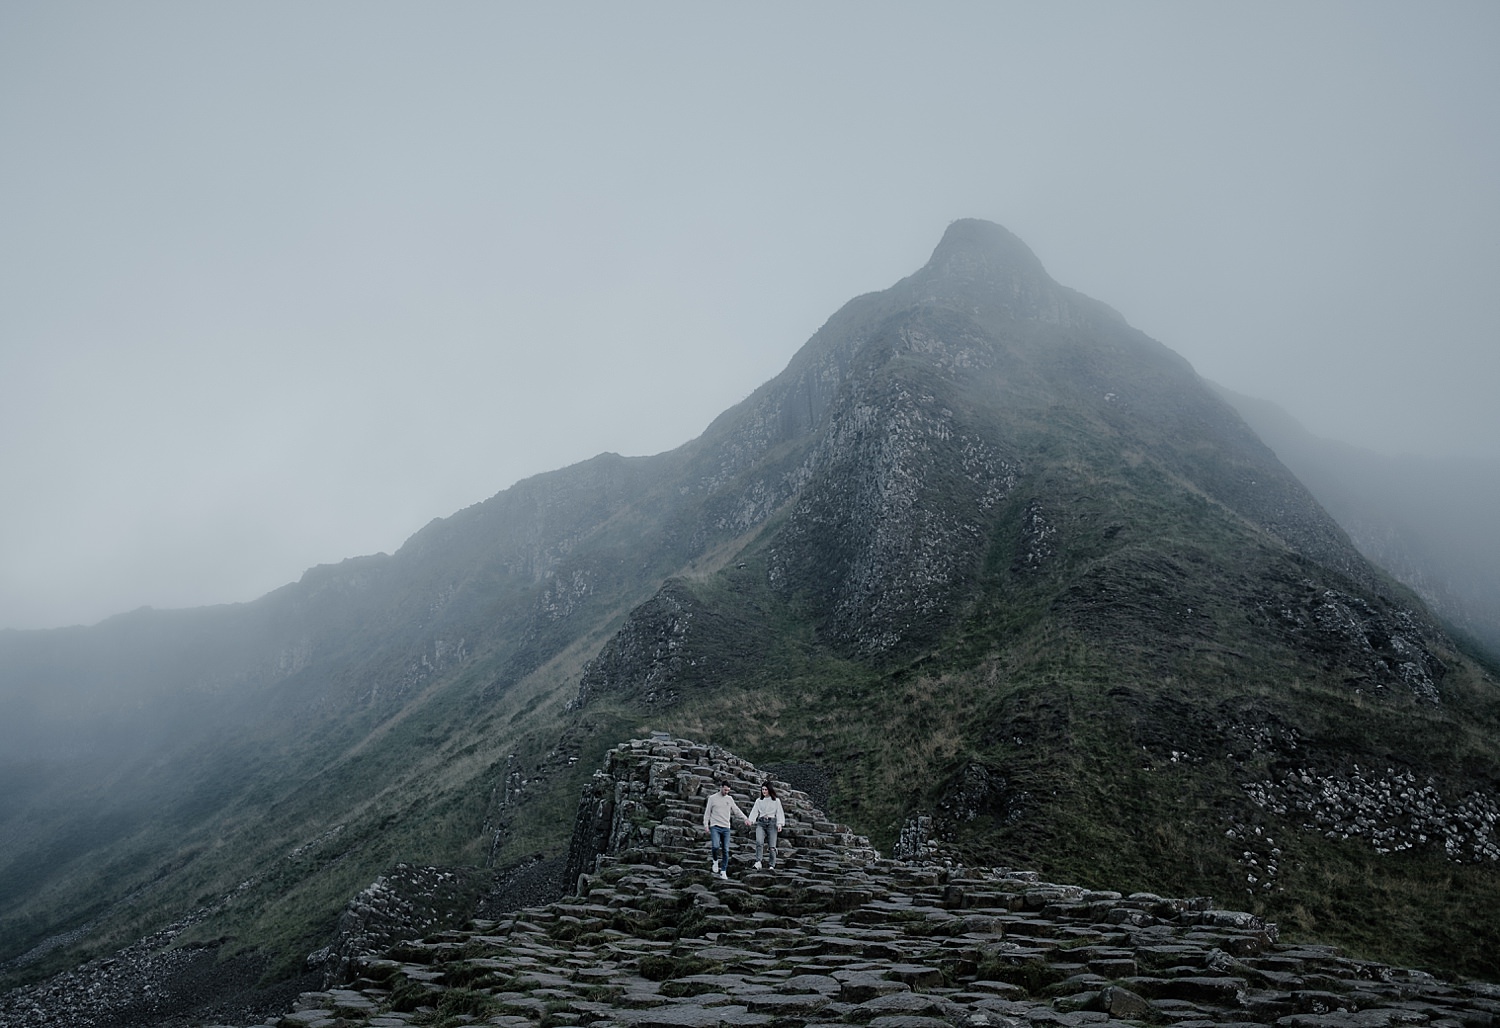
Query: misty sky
281	282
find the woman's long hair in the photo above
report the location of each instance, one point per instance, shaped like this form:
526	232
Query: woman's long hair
769	788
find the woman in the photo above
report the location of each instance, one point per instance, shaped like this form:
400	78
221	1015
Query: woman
768	818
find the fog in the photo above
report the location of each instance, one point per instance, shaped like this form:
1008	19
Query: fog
279	283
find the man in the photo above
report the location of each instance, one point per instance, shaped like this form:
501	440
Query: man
716	822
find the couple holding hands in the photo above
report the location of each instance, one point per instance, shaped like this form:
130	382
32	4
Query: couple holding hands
766	815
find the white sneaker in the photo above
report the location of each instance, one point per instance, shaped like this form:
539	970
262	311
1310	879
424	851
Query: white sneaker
716	867
724	875
757	865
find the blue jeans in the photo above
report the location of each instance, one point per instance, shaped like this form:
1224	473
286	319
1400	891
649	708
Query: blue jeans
765	830
718	845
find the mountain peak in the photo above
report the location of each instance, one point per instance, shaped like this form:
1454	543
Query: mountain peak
976	251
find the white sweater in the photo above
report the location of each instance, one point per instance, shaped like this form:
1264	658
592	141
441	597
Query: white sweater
766	806
717	811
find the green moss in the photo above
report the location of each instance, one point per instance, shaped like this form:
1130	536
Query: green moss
661	968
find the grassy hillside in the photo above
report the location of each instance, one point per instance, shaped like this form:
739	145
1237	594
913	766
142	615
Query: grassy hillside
1054	753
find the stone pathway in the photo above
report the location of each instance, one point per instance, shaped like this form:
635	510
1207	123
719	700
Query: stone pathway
837	935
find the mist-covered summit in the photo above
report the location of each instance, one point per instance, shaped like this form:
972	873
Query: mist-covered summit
984	255
980	263
982	558
913	412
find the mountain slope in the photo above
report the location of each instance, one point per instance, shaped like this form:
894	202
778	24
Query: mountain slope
982	553
1425	520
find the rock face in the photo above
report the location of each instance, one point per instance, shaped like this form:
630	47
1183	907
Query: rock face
836	935
409	902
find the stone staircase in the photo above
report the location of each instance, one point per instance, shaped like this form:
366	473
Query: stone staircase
645	806
837	935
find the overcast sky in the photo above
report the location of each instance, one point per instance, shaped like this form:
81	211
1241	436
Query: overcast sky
282	282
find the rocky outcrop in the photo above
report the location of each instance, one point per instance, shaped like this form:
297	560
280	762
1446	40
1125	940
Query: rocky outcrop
1388	645
838	935
895	519
648	654
1392	810
645	806
410	901
156	981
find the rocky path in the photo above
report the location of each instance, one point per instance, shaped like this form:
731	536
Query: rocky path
837	935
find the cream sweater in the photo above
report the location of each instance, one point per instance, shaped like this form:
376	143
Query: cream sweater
768	807
716	814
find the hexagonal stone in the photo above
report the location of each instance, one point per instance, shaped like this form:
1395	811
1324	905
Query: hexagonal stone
689	1016
319	1018
1123	1004
860	986
797	1004
918	976
823	983
898	1003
